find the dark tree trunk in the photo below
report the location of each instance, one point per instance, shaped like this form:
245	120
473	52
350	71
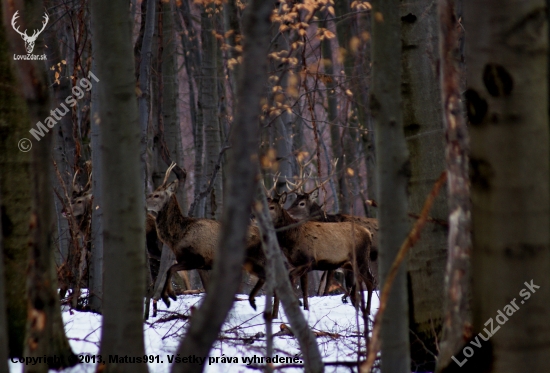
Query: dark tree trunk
241	173
122	185
15	191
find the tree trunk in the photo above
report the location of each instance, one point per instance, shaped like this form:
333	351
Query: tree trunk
332	117
15	191
3	306
457	316
507	106
44	334
423	127
242	166
209	106
144	98
122	186
393	171
95	299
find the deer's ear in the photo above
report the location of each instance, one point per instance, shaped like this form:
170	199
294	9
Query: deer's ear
314	195
282	200
172	187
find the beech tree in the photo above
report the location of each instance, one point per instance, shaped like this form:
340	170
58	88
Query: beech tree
122	186
507	107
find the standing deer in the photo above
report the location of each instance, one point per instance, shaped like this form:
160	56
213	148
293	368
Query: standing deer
323	246
194	240
305	207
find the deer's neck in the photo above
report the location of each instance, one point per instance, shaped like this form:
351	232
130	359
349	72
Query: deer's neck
171	222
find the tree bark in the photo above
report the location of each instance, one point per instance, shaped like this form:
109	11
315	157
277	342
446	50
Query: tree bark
3	319
15	190
95	299
423	127
393	170
457	312
242	166
144	99
209	106
507	106
122	185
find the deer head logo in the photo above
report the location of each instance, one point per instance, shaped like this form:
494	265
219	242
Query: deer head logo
29	40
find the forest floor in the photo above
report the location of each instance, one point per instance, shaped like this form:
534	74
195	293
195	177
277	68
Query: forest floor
337	325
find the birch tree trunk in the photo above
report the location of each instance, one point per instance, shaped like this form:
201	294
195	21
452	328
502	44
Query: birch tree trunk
423	127
507	106
122	185
393	170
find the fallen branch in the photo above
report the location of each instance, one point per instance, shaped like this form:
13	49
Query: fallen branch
410	241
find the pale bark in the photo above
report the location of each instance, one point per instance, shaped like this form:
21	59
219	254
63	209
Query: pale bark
424	132
122	186
393	171
242	166
457	317
507	106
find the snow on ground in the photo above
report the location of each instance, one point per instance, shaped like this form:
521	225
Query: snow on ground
242	335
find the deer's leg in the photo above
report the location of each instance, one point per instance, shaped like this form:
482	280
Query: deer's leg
255	290
303	285
167	290
330	276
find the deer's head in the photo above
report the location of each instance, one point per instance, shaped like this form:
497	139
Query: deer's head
160	197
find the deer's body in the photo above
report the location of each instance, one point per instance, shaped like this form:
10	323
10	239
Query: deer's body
194	241
323	246
305	207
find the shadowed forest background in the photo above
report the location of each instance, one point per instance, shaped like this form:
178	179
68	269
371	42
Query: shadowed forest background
281	149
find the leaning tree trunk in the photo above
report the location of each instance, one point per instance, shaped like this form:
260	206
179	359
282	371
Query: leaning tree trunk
423	126
457	316
242	167
122	185
507	106
393	175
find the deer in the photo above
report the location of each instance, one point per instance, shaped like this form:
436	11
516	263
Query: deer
305	207
29	40
323	246
194	240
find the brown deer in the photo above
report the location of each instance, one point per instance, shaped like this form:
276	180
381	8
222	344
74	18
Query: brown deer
305	207
194	240
323	246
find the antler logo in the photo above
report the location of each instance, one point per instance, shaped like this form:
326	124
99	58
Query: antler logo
29	40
